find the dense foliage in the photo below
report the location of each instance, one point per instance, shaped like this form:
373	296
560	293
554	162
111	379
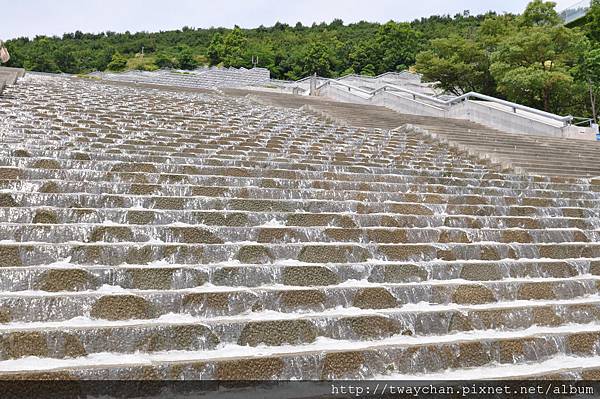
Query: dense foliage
529	58
290	52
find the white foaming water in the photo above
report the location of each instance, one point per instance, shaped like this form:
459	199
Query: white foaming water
228	351
181	224
231	262
500	371
158	263
112	289
62	264
273	223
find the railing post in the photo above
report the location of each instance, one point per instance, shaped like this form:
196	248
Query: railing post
313	85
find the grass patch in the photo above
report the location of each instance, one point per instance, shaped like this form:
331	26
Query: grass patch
87	76
145	63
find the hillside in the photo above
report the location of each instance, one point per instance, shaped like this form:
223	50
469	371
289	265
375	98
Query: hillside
530	58
285	50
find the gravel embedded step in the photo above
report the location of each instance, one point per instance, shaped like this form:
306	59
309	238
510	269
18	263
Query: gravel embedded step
121	304
49	232
113	254
279	193
158	203
216	237
205	334
389	181
44	215
350	361
65	276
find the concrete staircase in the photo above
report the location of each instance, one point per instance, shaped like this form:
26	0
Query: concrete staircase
537	155
161	234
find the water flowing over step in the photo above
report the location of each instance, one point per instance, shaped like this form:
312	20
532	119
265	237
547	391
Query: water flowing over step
199	78
150	232
537	155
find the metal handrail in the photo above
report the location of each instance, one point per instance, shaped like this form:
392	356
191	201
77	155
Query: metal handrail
413	93
514	106
448	103
355	75
484	97
417	101
583	121
350	87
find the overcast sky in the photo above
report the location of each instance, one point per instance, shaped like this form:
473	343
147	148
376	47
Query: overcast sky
51	17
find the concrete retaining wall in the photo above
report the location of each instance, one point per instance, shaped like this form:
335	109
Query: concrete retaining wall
9	76
19	71
469	110
502	120
408	105
343	95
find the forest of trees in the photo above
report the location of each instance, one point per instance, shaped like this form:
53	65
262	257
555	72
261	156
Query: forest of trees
528	58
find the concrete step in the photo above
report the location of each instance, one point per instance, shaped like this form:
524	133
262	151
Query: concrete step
190	234
270	189
39	253
66	276
395	355
108	216
460	132
115	303
166	233
18	180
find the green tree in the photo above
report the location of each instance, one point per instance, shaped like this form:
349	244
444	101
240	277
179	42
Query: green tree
348	71
591	65
262	51
459	65
540	13
41	56
215	49
317	60
592	27
98	61
66	60
118	62
534	66
591	73
163	60
185	59
397	45
368	70
362	54
234	44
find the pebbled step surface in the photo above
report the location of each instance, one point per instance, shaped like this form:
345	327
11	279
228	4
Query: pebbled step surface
163	233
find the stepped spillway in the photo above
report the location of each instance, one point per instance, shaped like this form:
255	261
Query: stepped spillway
204	78
162	233
522	153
